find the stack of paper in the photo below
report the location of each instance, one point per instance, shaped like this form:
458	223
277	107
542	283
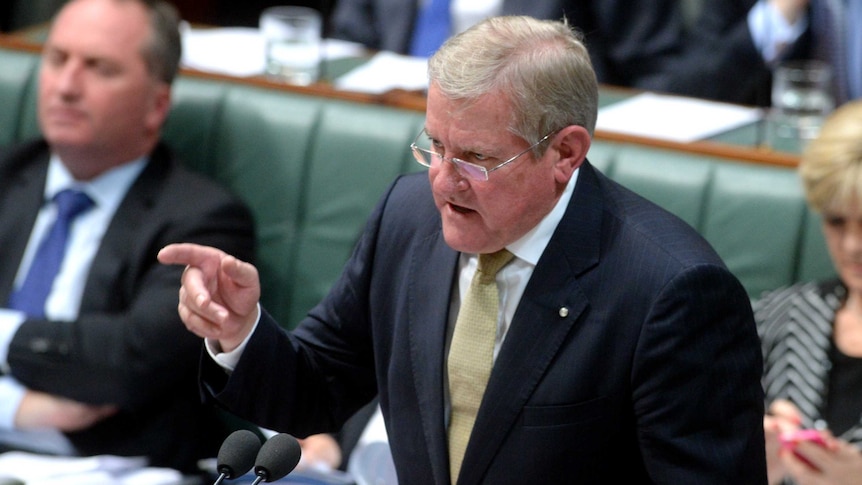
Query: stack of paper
386	71
34	469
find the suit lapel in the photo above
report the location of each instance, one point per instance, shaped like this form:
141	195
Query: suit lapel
549	308
433	267
21	197
124	231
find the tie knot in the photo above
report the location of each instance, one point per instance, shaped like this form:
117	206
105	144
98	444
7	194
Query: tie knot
70	203
491	263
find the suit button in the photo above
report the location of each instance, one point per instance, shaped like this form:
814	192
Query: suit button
40	345
564	312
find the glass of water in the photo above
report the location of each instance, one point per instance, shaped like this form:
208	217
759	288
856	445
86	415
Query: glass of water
801	100
293	43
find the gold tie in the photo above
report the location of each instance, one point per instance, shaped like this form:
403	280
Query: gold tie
471	354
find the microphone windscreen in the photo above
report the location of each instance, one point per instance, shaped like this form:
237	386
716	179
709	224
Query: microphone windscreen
277	457
237	453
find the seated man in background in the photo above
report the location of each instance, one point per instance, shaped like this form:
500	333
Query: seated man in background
628	41
336	451
735	45
93	356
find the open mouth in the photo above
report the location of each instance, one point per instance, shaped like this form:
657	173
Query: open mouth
459	209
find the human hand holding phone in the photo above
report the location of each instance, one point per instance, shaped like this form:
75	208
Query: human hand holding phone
790	441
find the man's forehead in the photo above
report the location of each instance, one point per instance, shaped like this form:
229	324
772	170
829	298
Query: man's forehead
94	21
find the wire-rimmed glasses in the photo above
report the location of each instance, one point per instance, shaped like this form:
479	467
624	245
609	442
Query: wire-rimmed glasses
429	158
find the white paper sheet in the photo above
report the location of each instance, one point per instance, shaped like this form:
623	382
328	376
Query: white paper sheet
386	71
37	469
239	51
673	118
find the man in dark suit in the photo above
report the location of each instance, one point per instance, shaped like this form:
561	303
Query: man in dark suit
629	41
98	365
735	45
623	350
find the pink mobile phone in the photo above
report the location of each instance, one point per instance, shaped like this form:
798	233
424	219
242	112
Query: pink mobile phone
791	439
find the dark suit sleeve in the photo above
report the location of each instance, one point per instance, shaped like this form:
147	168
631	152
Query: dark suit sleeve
128	346
628	42
719	60
697	397
631	42
313	379
376	24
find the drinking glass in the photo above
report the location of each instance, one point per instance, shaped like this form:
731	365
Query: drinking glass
293	43
801	100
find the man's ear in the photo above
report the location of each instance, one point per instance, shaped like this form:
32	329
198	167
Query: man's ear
572	144
161	107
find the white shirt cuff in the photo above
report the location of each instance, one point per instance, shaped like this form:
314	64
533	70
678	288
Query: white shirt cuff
10	320
771	32
229	360
11	394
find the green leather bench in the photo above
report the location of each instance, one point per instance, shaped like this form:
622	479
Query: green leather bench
312	168
755	216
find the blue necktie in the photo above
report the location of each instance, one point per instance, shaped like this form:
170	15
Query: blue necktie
432	28
30	298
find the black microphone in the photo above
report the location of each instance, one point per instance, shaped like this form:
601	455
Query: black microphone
277	457
237	454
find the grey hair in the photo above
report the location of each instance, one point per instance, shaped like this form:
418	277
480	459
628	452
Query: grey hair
540	67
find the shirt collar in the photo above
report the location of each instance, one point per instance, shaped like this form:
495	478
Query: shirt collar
106	190
532	244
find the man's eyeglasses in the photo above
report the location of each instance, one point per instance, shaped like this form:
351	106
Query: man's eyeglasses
479	173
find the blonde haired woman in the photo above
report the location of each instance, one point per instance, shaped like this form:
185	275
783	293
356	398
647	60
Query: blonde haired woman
812	332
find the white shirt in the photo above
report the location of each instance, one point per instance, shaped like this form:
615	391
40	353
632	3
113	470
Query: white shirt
771	32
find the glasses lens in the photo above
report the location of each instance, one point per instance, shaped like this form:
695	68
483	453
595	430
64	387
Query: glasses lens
428	158
425	157
420	156
472	171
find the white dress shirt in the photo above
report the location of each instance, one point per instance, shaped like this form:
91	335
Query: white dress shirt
771	32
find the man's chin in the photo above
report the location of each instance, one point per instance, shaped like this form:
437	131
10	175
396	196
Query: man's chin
464	239
67	140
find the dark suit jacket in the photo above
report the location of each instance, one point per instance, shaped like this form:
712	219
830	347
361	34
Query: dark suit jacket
628	41
632	357
128	345
720	61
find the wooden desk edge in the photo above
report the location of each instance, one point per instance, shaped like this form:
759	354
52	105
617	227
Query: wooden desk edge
411	100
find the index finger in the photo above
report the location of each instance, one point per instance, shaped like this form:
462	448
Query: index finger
188	254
